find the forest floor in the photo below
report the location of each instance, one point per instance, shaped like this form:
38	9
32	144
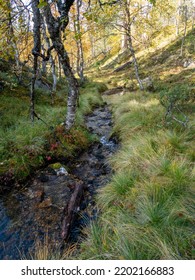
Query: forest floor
146	208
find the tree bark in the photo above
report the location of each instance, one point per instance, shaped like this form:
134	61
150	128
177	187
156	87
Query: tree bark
71	210
55	28
12	38
193	17
59	69
51	60
80	58
36	50
185	11
129	22
135	63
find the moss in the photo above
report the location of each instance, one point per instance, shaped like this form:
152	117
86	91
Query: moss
56	165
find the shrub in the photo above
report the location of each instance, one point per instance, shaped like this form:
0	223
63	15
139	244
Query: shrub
173	100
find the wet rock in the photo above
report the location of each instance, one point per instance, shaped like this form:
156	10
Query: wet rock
43	178
50	171
60	193
61	171
148	84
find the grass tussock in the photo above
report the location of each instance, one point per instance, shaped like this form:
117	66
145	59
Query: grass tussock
147	209
44	249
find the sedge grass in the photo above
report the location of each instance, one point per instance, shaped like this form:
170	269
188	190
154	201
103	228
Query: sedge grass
147	208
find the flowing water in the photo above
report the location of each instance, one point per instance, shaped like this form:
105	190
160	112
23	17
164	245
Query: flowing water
36	210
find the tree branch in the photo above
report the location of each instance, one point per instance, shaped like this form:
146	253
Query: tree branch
44	57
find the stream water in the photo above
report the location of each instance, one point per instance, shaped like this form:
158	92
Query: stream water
30	213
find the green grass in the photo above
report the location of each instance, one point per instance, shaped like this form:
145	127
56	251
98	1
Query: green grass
146	209
25	146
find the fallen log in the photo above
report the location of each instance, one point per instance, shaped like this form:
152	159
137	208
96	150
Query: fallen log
71	210
123	67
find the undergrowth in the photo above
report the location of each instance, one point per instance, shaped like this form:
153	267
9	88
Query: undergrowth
25	146
147	209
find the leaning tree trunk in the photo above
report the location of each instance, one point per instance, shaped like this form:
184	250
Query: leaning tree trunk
35	51
51	60
129	22
55	27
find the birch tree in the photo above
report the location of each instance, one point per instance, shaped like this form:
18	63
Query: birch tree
35	51
56	27
78	37
128	20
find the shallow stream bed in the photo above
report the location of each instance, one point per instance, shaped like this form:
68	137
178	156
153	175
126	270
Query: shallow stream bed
30	213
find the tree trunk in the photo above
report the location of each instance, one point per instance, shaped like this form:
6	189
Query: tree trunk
135	63
71	210
59	69
124	37
80	58
11	38
35	51
51	60
185	28
53	70
55	27
72	83
193	18
44	63
32	91
177	26
124	42
129	22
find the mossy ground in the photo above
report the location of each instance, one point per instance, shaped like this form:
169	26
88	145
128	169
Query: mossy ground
25	146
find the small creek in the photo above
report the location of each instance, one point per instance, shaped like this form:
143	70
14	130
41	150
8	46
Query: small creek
36	210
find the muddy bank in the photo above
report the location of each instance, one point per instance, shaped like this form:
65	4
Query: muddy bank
37	209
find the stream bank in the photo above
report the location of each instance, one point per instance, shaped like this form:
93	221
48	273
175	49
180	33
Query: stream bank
37	210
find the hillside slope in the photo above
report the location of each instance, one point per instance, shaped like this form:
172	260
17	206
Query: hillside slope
147	210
